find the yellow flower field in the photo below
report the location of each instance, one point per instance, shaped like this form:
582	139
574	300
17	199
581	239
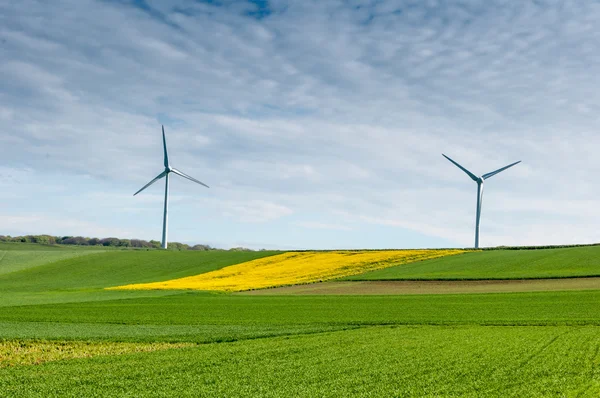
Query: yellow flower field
293	268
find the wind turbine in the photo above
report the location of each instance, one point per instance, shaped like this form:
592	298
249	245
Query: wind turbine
165	173
479	181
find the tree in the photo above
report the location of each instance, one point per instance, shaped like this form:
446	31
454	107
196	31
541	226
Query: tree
201	247
113	242
140	243
155	244
76	240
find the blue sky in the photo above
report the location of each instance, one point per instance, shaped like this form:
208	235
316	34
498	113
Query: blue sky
316	124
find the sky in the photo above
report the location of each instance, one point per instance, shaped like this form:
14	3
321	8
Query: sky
317	125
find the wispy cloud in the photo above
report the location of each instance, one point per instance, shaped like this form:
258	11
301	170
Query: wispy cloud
321	225
314	110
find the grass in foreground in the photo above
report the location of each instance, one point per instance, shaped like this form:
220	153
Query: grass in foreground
498	264
469	361
294	268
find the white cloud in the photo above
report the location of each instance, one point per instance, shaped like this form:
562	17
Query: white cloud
321	225
254	211
317	108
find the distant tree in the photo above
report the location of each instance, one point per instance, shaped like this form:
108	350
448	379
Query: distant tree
44	239
178	246
240	249
155	244
110	242
140	243
201	247
76	240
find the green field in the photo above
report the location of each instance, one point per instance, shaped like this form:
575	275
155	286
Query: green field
18	260
82	275
62	334
498	264
376	361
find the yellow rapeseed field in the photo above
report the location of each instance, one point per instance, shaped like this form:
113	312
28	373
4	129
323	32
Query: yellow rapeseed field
293	268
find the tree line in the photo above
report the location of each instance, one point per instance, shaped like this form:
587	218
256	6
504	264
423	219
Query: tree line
106	242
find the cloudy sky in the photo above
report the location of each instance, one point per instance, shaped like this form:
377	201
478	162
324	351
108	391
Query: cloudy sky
316	124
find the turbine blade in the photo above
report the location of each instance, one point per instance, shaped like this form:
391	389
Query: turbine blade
188	177
165	148
493	173
473	176
158	177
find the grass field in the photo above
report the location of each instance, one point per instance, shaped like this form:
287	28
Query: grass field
376	361
18	260
63	334
498	264
78	277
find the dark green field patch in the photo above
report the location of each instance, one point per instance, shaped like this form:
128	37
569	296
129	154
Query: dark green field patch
235	314
498	264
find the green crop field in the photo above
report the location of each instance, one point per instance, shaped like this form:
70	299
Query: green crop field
63	335
81	275
376	361
18	260
498	264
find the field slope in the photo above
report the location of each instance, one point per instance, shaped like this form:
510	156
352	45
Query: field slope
293	268
39	277
498	264
17	260
63	334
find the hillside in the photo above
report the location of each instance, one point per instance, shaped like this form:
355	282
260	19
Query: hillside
32	276
498	264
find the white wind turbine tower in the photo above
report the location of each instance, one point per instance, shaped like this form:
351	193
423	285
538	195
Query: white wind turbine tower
479	181
165	173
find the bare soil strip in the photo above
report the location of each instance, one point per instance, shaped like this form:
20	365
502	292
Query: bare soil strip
433	287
